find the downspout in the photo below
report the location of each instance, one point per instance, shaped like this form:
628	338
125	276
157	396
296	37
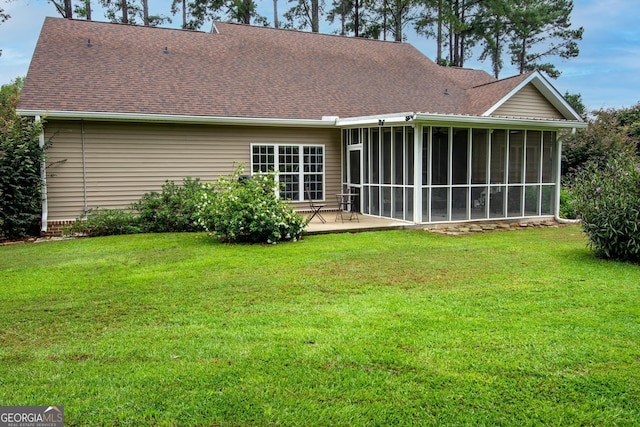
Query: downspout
84	172
559	184
43	179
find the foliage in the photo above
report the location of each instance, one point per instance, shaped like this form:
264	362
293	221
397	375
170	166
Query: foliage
607	199
131	12
567	208
249	210
393	328
105	222
453	23
529	30
610	132
575	100
305	14
173	209
539	29
21	158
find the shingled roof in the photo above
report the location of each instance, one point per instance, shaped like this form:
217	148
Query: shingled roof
242	71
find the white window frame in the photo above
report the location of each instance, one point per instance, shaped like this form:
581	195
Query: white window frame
301	166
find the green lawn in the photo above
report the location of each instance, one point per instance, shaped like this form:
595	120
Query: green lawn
387	328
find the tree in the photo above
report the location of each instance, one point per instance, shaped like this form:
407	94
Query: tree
83	10
129	11
575	100
174	10
3	18
492	16
64	8
305	14
455	27
242	11
21	157
392	16
610	132
539	29
357	17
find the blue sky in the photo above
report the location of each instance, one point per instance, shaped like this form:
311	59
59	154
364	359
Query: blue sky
606	74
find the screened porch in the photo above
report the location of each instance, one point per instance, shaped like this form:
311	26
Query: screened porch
428	174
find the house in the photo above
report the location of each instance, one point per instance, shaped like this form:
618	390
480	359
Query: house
127	107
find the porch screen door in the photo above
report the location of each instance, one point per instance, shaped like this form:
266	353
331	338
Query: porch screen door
354	173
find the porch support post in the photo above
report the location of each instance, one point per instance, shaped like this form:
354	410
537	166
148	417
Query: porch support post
556	212
417	173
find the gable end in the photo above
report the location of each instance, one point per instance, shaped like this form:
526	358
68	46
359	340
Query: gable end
528	102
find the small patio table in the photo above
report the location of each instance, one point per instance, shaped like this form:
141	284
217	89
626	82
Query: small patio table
345	205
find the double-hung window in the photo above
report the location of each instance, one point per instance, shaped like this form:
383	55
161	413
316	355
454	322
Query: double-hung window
299	167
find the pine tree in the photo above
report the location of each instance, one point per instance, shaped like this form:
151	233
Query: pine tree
540	29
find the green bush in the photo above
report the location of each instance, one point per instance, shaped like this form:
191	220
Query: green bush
567	204
105	222
20	177
172	210
607	199
249	210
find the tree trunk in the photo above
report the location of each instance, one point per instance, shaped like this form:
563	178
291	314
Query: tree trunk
276	24
184	14
343	17
439	35
88	7
247	11
68	9
356	18
125	12
315	16
145	12
495	57
522	54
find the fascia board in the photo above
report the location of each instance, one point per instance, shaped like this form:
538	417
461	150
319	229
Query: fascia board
547	90
160	118
374	120
452	119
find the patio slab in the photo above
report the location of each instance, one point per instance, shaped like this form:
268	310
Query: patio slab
366	223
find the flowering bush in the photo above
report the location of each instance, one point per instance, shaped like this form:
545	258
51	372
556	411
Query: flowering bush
249	210
608	202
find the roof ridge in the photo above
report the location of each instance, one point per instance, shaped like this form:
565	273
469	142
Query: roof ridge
94	22
295	30
503	80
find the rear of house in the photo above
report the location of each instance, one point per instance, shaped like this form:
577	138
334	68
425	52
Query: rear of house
127	107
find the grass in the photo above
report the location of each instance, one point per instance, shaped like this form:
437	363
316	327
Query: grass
389	328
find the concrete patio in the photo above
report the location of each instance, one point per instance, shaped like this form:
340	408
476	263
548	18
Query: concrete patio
370	223
365	223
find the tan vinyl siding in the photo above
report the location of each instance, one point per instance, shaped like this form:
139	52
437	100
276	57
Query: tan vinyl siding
125	160
528	103
64	170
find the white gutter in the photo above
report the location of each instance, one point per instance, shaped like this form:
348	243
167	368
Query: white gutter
559	184
166	118
43	178
449	119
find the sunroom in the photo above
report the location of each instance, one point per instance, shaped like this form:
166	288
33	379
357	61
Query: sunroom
417	169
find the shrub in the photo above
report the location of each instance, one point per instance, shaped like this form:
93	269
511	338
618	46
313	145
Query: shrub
608	202
567	204
174	209
105	222
610	132
249	210
20	177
